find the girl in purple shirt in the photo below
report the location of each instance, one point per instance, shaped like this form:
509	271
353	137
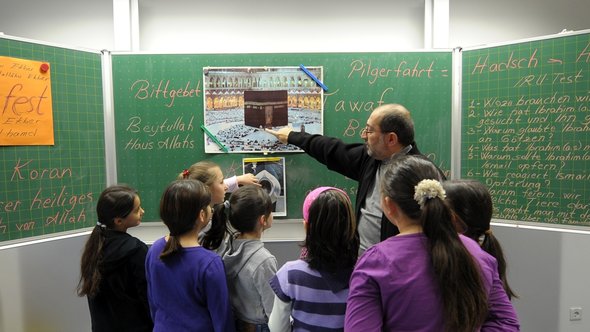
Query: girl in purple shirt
427	278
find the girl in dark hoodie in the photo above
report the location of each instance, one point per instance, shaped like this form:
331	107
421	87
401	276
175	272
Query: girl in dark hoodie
113	265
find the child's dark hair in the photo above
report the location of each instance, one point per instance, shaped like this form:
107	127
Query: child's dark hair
472	202
331	239
214	236
180	206
456	272
114	202
246	205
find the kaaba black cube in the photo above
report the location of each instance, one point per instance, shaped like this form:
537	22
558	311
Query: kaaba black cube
265	109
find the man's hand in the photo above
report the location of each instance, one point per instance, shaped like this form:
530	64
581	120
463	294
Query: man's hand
282	134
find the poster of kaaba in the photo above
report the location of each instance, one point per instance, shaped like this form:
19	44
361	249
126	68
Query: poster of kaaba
240	103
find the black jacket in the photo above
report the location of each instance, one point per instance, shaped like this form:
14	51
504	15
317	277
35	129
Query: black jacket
350	160
121	303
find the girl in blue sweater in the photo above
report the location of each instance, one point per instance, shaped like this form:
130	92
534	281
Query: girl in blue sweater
187	290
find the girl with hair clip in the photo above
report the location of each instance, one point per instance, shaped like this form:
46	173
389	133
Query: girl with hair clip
187	290
215	235
427	278
248	265
472	202
112	266
313	289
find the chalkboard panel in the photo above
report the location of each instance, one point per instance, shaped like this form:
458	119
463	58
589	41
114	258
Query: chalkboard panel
159	135
50	189
526	127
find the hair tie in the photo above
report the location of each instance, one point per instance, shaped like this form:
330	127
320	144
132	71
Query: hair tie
488	232
185	174
226	209
101	225
428	189
311	197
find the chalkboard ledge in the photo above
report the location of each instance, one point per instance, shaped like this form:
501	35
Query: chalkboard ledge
44	238
282	230
540	226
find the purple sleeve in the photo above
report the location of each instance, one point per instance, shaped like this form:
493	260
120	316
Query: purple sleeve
218	297
501	315
363	307
279	283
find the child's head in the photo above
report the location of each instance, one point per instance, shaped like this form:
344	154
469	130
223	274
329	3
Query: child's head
472	202
401	182
414	184
331	239
312	196
183	204
250	209
210	174
119	207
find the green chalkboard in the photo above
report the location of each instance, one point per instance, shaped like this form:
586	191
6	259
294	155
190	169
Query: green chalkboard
526	127
54	188
150	155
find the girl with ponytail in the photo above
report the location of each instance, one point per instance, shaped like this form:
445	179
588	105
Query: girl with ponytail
427	278
112	273
472	202
187	290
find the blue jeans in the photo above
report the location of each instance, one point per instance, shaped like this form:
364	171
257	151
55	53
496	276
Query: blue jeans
242	326
262	328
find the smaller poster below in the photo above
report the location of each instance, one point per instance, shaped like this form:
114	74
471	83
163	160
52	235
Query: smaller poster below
271	176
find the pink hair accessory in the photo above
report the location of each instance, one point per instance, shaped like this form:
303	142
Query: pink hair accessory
311	197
